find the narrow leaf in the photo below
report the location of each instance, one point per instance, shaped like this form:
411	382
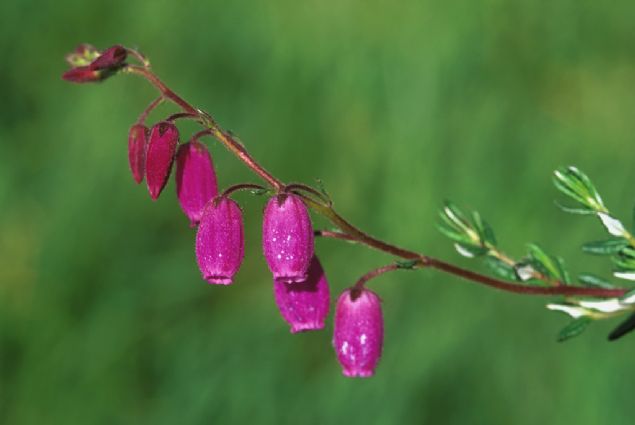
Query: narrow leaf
588	279
407	264
623	328
501	269
544	261
607	247
571	210
574	328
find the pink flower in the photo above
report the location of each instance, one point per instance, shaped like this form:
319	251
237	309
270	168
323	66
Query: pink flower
195	179
220	244
137	143
164	137
304	305
287	237
358	332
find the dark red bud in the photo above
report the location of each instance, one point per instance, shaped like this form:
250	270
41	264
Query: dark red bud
164	138
83	74
111	58
137	143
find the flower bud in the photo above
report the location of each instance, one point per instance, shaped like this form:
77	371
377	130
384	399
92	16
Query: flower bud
164	137
304	305
110	58
195	179
220	245
83	74
137	141
83	55
358	332
287	237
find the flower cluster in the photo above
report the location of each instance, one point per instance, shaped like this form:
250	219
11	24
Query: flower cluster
300	287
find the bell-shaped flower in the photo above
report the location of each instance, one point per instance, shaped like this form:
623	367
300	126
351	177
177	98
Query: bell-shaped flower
304	305
358	332
195	179
287	237
220	242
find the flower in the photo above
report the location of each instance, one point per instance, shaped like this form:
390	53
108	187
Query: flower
89	65
220	243
358	332
111	58
304	305
137	143
164	137
287	237
195	179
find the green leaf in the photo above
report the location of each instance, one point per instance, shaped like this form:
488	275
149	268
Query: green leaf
501	269
470	250
544	262
623	328
573	329
588	279
455	215
579	211
259	192
607	247
575	184
456	237
407	264
564	274
485	231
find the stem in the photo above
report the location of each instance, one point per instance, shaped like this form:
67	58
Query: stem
207	121
241	186
303	187
156	102
180	115
359	285
349	231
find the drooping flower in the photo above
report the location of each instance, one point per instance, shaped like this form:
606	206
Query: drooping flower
358	332
137	144
164	137
220	243
110	58
89	65
83	74
304	305
287	237
195	179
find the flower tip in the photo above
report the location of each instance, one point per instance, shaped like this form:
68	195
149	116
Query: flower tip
219	280
290	279
308	326
82	74
357	373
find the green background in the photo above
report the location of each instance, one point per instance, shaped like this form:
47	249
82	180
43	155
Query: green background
104	318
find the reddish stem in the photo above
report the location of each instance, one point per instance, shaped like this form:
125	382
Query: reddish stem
350	232
144	115
241	186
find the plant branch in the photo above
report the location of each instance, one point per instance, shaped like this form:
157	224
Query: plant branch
348	230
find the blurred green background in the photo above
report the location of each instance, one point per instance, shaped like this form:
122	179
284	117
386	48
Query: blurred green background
396	106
